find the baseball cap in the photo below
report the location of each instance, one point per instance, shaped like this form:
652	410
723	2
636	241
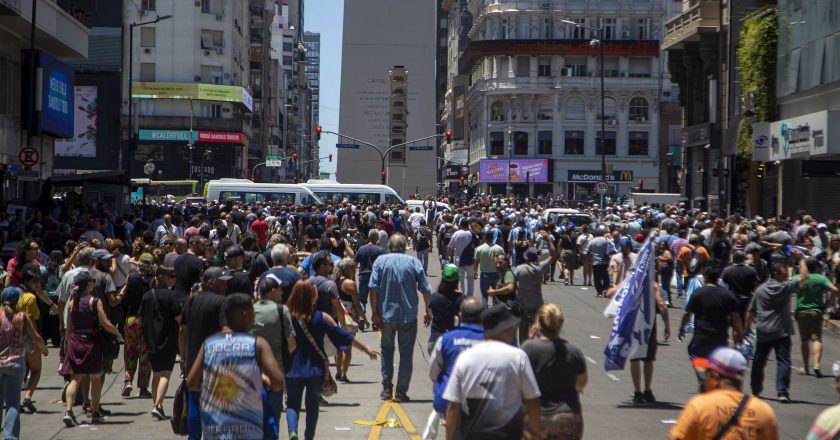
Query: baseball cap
450	273
101	253
640	237
11	295
752	247
146	258
497	319
236	300
728	362
233	252
531	254
216	273
822	226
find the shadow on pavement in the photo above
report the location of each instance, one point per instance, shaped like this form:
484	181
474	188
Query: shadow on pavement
657	405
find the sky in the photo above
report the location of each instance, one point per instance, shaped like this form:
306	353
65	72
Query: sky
326	17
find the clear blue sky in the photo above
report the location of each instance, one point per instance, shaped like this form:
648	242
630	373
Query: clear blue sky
327	17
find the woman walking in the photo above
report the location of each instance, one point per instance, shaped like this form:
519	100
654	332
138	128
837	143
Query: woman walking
560	369
136	355
344	275
665	267
28	304
14	327
84	351
309	362
160	318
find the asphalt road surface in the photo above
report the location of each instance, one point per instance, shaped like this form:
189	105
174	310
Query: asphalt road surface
607	408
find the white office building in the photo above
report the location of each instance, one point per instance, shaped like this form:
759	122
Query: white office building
524	92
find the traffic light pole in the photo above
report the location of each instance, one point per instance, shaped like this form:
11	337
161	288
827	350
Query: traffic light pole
382	154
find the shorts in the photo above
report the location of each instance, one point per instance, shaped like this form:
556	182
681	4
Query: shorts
810	324
162	361
650	356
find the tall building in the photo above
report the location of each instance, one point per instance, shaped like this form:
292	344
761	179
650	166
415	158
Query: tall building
312	43
62	36
193	105
261	14
524	94
371	47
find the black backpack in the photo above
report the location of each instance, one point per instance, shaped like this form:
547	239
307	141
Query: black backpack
422	238
448	230
694	262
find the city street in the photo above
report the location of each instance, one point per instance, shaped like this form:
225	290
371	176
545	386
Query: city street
608	411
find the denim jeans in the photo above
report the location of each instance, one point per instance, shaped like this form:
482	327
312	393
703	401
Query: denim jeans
486	280
423	256
275	401
782	348
194	416
11	381
680	282
665	284
364	283
602	278
405	334
467	279
295	389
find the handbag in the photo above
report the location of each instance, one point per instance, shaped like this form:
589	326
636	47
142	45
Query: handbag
286	361
109	344
328	385
180	410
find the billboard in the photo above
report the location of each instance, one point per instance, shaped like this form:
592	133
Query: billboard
57	96
595	176
85	108
226	137
520	171
205	92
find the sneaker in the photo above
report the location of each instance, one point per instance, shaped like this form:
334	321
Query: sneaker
401	397
145	394
322	401
803	371
648	396
28	406
344	379
157	413
818	373
104	411
69	419
784	398
293	436
638	397
96	417
127	389
386	393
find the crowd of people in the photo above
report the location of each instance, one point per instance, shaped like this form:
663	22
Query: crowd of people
267	299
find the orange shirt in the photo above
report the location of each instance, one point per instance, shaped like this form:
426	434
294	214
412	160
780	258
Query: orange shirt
706	413
685	255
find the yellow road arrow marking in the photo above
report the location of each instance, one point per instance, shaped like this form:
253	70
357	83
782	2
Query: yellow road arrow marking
381	421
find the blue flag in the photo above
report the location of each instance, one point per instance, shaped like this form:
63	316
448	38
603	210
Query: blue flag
634	309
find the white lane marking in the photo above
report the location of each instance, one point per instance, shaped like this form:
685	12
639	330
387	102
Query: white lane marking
590	360
594	337
613	377
584	288
669	421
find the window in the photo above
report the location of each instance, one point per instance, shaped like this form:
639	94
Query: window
544	66
611	66
444	23
578	33
577	65
608	141
147	72
575	109
520	142
212	39
523	67
574	142
212	6
211	110
497	111
544	142
503	68
287	60
397	117
638	110
213	75
545	112
523	27
288	46
497	143
638	143
639	67
610	109
642	28
147	37
398	154
609	26
548	29
148	5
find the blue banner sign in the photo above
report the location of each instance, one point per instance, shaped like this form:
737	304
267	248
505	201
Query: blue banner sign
354	146
57	91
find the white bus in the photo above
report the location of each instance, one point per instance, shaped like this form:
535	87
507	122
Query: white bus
333	192
246	191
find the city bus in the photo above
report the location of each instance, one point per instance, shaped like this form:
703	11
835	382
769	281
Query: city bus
331	191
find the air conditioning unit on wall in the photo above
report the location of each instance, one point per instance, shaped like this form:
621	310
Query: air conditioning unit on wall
612	122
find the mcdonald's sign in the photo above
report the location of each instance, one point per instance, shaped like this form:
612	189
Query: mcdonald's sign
595	175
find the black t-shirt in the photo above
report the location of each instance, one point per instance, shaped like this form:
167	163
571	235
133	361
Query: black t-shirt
444	310
711	306
158	310
365	257
240	283
188	271
204	315
741	279
135	287
288	276
327	291
556	364
313	231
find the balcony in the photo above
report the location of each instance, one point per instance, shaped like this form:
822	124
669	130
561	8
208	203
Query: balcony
548	83
58	32
699	17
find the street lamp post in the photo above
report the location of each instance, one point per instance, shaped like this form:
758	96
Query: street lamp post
509	187
131	139
602	138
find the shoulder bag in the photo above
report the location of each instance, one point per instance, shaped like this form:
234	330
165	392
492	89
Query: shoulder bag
286	360
110	346
734	419
328	385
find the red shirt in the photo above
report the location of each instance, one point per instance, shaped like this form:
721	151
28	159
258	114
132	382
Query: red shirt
260	227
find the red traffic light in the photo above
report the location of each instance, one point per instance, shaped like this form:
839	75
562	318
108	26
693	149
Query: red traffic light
318	129
448	136
295	156
382	174
462	179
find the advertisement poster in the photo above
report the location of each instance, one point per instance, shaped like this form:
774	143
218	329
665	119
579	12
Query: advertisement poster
57	97
521	171
83	143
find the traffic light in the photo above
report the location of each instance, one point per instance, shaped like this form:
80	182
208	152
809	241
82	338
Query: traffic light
295	156
318	132
383	176
462	180
330	157
448	136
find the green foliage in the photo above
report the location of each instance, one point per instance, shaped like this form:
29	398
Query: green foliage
757	66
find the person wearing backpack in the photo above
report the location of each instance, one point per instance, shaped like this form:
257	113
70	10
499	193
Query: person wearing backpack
444	231
422	243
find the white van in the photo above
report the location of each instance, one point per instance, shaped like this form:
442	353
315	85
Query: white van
333	192
247	191
419	204
556	215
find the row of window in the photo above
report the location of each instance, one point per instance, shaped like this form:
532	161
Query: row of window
637	67
638	110
523	27
637	143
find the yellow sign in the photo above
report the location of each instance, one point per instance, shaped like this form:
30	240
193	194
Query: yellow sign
401	421
198	91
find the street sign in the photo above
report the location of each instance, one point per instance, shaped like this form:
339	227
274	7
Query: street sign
274	161
602	187
28	175
421	148
354	146
28	156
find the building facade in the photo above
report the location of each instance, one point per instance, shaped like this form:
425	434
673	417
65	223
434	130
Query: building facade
524	89
371	48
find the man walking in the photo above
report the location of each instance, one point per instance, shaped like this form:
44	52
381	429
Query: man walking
394	282
770	309
461	252
485	259
601	248
810	303
364	258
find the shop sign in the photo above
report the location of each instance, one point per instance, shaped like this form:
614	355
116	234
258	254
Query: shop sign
520	171
595	176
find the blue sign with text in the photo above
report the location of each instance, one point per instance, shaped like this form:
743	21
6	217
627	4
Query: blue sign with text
57	97
356	146
421	148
